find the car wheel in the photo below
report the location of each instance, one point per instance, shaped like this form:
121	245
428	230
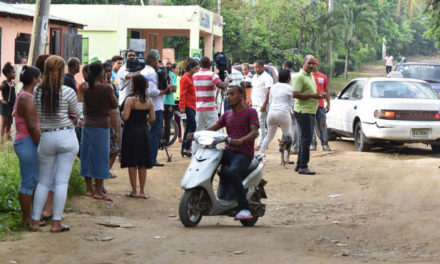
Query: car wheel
360	140
435	148
331	135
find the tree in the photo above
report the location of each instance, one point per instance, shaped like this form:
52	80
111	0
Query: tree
356	23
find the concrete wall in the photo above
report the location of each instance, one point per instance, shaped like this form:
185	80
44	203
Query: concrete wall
102	43
195	21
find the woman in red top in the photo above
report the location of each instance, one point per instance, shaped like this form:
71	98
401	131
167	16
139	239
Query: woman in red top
187	103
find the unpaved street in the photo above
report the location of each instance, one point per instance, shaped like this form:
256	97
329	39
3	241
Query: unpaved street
383	206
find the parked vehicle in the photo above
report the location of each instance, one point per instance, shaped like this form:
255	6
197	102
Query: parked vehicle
427	71
378	109
199	197
269	69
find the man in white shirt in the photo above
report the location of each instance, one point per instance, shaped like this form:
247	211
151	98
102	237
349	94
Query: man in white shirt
153	92
261	83
388	63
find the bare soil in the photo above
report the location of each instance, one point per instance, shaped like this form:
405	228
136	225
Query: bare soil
381	206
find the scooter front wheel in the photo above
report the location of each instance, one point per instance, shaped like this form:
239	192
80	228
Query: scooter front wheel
190	211
249	222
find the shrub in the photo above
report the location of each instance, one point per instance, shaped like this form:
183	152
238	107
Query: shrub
10	214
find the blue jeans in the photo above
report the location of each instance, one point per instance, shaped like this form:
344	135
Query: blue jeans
154	135
235	163
26	151
305	122
320	127
190	127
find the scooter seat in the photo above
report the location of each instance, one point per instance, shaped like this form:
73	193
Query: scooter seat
252	166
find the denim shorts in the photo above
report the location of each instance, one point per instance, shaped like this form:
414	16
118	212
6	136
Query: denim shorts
26	151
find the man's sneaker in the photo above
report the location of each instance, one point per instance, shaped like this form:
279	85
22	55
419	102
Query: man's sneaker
312	147
326	148
243	215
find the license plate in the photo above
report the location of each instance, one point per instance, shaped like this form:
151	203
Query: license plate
420	133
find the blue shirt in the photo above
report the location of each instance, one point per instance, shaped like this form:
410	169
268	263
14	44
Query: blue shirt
168	99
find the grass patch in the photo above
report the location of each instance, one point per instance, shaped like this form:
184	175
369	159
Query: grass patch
10	213
337	83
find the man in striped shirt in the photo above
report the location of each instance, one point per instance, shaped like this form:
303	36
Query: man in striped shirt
205	82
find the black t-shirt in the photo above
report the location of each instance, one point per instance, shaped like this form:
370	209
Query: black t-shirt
69	80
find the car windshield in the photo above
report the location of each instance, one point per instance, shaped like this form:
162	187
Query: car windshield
402	89
429	73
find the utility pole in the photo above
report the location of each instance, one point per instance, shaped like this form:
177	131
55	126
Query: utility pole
219	7
39	30
330	44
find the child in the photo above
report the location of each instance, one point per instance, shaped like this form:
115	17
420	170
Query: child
7	101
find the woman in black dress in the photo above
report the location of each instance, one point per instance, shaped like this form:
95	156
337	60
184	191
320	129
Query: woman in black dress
138	111
7	101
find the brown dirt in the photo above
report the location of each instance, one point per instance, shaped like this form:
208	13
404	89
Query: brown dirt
388	211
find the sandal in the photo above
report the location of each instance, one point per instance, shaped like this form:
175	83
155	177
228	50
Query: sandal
103	197
112	176
143	196
31	229
64	228
131	195
243	215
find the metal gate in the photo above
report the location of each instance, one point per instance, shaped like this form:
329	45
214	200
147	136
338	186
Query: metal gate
72	46
22	45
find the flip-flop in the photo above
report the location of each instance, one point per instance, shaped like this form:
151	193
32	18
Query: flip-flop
88	194
64	228
112	176
131	195
43	222
143	196
46	218
243	215
103	197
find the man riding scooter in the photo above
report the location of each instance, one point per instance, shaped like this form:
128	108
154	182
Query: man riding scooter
241	123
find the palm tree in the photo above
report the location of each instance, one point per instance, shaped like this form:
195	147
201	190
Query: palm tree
355	22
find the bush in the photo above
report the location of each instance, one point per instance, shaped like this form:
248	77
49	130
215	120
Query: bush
10	213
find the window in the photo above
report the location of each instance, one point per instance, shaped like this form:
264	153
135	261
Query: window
357	90
345	94
402	89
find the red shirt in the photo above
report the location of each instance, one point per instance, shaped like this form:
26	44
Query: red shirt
321	83
238	125
187	92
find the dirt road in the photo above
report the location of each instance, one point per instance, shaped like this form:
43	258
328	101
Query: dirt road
386	209
382	206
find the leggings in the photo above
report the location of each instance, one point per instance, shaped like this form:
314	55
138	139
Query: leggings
57	149
275	118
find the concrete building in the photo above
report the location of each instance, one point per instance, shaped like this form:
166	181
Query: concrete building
111	29
16	29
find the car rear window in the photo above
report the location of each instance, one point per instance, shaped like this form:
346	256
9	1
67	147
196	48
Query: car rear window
429	73
402	89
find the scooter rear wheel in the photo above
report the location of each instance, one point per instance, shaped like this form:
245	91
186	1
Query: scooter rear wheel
190	212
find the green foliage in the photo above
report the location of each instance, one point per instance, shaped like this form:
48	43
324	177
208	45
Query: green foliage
97	2
10	213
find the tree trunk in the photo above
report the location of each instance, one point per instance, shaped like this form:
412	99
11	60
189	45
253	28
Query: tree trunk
347	55
330	45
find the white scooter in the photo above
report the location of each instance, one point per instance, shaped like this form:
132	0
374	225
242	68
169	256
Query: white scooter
199	197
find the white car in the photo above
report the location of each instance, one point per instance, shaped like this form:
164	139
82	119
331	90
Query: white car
386	109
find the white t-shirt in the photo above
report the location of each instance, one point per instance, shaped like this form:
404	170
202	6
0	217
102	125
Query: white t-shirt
281	97
259	85
389	61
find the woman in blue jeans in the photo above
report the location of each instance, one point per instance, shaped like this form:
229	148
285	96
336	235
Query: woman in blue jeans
187	103
58	144
27	137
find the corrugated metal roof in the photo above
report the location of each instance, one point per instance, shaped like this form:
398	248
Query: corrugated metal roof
19	11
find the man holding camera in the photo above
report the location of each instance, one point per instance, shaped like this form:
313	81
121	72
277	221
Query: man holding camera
156	95
205	82
124	77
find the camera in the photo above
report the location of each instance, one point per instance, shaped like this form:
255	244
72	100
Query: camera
134	65
223	64
163	77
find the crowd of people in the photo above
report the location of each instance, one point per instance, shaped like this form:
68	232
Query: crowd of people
120	110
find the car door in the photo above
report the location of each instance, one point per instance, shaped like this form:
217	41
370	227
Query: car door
351	106
336	116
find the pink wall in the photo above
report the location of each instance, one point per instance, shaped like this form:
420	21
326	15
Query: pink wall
11	27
